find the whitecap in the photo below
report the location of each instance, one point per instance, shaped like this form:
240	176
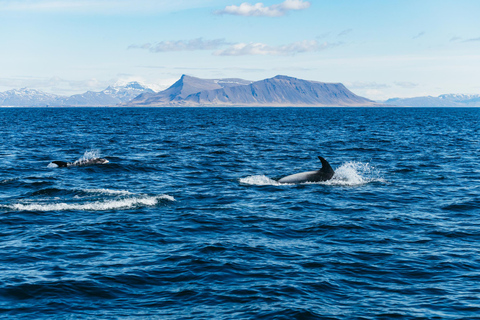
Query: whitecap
127	203
107	191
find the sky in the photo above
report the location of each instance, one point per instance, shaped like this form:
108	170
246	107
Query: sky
379	49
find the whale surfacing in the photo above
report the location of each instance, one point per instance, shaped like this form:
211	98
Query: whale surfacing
324	174
79	163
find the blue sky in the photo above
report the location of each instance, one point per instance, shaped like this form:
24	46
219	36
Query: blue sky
377	48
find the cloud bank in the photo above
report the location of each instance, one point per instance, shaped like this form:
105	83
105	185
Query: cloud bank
182	45
260	10
243	49
237	49
406	84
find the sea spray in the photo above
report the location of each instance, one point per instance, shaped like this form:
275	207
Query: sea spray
349	174
354	174
88	155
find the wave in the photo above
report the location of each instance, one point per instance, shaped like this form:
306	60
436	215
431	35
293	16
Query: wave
127	203
77	193
348	174
106	191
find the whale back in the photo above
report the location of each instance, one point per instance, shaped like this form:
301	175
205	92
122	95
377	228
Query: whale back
80	163
324	174
61	163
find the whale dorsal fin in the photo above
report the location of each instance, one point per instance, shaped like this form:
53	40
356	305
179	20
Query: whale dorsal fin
326	168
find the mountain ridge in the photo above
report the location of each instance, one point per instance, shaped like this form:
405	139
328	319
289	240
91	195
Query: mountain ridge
277	91
110	96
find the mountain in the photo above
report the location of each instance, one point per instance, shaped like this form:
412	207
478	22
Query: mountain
27	98
445	100
277	91
183	88
108	97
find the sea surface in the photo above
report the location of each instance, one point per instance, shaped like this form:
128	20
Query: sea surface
188	221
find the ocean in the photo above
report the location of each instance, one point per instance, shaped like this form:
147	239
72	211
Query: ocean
188	221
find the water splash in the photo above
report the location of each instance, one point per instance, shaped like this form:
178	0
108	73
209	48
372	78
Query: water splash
354	174
349	174
88	155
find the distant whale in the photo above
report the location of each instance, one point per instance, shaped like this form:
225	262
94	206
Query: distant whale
78	163
324	174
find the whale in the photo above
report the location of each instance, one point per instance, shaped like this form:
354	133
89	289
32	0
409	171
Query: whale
78	163
324	174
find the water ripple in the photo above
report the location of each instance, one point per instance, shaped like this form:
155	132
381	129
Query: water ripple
188	220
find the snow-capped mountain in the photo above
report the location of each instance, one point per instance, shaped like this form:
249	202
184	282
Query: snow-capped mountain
444	100
28	98
110	96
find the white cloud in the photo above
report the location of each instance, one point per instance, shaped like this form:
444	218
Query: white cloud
242	49
182	45
406	84
237	49
260	10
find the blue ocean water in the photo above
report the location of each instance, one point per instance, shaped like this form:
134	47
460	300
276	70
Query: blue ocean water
187	220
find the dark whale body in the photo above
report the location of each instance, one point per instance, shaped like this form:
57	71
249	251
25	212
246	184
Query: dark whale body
78	163
324	174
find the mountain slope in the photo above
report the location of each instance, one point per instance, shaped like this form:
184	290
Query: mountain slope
277	91
183	88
